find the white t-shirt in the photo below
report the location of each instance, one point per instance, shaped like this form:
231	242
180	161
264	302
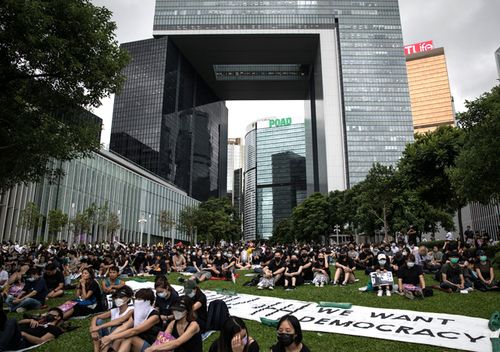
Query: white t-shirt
115	312
4	276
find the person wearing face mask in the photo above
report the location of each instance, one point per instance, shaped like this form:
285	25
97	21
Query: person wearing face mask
411	281
307	266
293	273
184	328
485	273
229	267
117	316
199	299
139	331
365	260
452	278
234	337
35	332
289	334
272	273
166	296
345	268
217	264
179	263
383	265
321	271
33	295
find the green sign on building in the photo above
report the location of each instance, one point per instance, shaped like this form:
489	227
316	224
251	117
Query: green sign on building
286	121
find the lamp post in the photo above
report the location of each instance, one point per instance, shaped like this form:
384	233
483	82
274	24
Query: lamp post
141	222
149	232
337	229
71	217
119	212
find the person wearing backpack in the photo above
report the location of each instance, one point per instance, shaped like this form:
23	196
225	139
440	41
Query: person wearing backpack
234	337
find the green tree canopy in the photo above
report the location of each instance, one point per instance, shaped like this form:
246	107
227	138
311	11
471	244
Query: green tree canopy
30	217
56	58
217	220
476	175
310	218
57	220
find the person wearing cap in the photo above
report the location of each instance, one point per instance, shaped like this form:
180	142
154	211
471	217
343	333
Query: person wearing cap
485	273
184	328
199	299
117	315
452	278
383	264
345	267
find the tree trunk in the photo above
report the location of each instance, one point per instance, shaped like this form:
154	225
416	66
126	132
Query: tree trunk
460	225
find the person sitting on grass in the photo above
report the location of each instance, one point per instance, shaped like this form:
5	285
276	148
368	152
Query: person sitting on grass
33	295
140	331
485	273
293	273
117	315
345	269
234	337
184	330
193	291
229	267
272	273
216	265
452	278
178	261
112	282
54	280
34	332
166	296
383	265
411	281
88	296
289	335
321	271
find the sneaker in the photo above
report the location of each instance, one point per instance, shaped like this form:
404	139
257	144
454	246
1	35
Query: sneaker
470	289
316	284
181	279
464	291
334	283
20	310
343	284
388	293
356	280
271	288
322	284
260	288
380	293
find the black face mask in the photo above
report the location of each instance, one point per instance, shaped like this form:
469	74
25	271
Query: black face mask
277	259
50	318
285	339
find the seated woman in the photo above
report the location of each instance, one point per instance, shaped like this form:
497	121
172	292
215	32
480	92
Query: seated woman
289	336
345	267
485	273
411	279
166	296
244	261
112	282
293	273
140	331
89	297
383	265
184	329
199	303
320	270
118	315
234	337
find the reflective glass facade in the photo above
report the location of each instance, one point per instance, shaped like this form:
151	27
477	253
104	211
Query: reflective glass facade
376	115
167	120
130	191
279	177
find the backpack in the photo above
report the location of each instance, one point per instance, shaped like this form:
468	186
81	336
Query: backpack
218	313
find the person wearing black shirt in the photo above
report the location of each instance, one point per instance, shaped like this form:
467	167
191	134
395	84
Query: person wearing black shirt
365	260
293	273
217	263
307	266
451	274
345	269
321	271
33	295
166	296
234	337
411	278
272	274
89	296
289	335
485	273
199	299
54	280
35	332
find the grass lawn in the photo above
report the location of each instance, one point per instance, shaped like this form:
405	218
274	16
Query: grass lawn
474	304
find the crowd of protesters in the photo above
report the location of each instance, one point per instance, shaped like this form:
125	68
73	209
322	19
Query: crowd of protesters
32	277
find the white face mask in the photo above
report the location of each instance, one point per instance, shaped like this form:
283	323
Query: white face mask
382	262
191	295
119	302
162	294
141	311
410	264
179	315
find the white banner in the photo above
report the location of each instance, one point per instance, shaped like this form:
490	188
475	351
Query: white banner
437	329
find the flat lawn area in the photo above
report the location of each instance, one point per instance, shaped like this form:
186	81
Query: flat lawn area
474	304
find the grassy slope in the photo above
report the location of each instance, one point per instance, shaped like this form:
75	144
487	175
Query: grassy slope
475	304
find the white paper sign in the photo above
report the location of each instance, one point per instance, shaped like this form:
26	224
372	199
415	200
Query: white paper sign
437	329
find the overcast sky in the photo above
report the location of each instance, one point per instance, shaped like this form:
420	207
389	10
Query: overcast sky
469	31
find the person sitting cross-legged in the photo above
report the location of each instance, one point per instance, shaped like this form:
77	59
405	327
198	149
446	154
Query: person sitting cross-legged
293	273
33	295
54	279
452	277
411	279
273	272
345	269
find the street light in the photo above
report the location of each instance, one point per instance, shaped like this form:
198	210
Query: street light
149	232
119	212
141	222
337	229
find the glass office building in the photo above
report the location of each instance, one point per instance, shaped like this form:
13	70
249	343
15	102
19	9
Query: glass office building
168	120
130	191
358	107
277	181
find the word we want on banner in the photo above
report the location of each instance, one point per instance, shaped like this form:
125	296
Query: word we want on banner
437	329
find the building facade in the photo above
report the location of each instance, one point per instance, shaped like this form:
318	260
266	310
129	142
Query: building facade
497	59
431	99
235	155
344	58
128	190
168	120
275	180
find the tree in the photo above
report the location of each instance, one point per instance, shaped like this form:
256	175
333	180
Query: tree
113	224
92	215
476	174
102	218
81	224
217	220
166	222
30	217
57	221
310	218
57	58
283	232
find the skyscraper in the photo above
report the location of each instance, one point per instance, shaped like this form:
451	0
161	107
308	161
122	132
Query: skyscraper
275	174
344	58
497	58
235	156
169	121
431	100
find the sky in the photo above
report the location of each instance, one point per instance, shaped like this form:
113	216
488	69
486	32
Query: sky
468	30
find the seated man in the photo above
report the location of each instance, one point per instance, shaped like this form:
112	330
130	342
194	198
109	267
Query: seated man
345	267
411	280
33	295
35	332
54	280
112	282
452	278
272	273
